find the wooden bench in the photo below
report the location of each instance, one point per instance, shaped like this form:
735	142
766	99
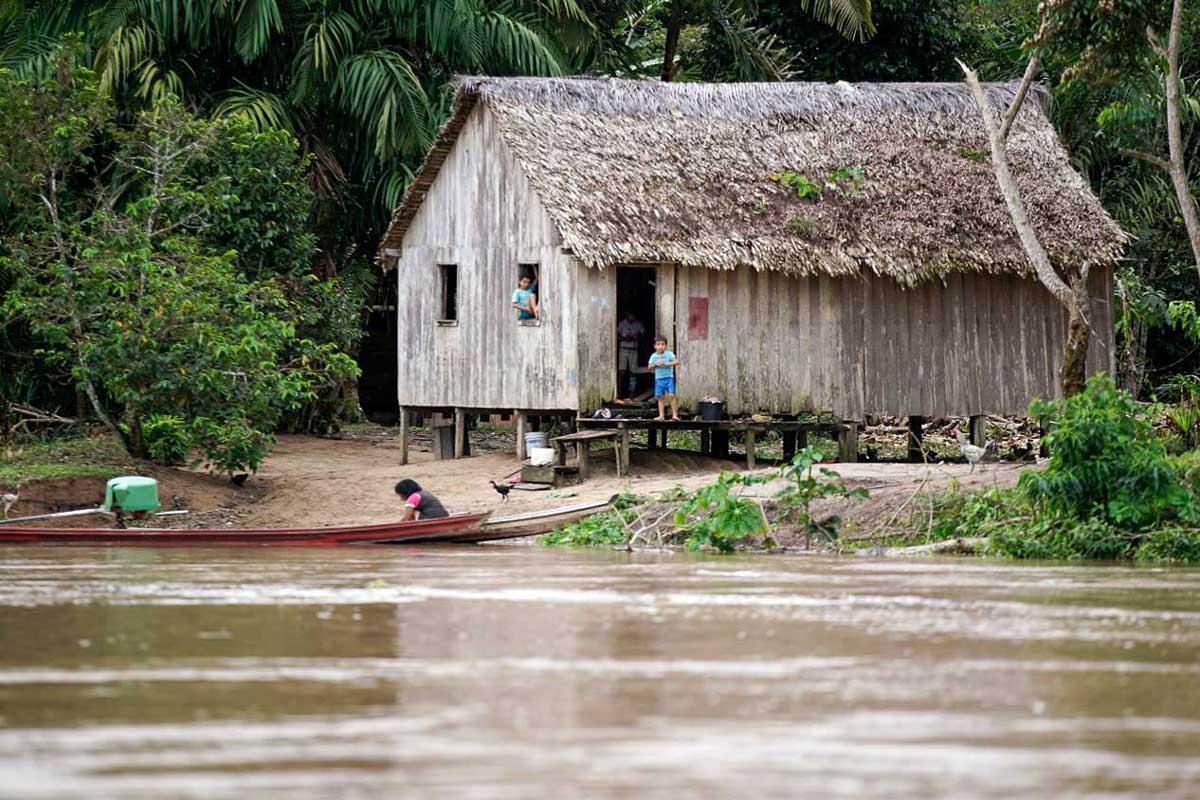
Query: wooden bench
583	443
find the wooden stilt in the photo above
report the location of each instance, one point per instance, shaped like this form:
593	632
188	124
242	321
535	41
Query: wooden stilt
848	443
404	422
665	431
751	463
789	445
522	429
978	430
915	425
720	444
582	453
705	442
460	433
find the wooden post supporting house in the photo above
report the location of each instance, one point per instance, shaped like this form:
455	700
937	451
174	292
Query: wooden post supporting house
915	434
460	432
750	454
848	442
978	430
405	416
522	429
789	445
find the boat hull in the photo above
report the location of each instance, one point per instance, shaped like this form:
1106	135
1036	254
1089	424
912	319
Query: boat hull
442	529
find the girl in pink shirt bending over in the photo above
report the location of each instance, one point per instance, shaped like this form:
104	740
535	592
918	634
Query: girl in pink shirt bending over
419	503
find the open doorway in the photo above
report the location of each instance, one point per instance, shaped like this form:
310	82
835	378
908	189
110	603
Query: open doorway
636	294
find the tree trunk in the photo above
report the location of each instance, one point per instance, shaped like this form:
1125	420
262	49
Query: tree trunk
674	26
1073	374
1177	168
1073	298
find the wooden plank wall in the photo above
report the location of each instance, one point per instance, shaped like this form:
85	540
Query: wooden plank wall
976	344
482	215
596	301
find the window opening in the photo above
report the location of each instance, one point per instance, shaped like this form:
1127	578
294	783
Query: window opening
530	272
449	282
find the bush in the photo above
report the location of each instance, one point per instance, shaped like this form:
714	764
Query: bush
168	439
1105	462
599	530
714	516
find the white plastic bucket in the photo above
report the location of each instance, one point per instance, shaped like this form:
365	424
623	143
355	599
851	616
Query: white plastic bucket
541	456
536	439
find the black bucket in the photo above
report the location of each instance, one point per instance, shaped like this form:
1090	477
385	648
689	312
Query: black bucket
711	410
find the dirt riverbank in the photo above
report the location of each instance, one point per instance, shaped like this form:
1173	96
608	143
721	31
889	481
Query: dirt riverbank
348	480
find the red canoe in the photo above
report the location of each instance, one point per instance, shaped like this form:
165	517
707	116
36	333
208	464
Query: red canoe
442	529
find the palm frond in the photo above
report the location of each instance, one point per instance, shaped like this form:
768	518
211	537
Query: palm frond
850	18
257	20
380	89
262	109
127	50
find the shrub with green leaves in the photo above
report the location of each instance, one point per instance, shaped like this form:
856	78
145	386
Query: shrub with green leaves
1105	462
715	516
806	482
168	439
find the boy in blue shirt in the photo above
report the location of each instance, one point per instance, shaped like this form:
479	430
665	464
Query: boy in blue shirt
663	362
524	299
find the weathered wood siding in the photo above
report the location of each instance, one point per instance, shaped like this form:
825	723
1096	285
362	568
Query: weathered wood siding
976	344
482	215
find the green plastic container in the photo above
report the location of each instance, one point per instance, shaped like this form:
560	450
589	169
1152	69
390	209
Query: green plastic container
131	493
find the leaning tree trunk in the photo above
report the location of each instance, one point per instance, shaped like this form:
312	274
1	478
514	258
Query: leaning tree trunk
1177	167
1073	298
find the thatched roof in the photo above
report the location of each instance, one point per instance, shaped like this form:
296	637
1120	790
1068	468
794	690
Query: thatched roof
639	171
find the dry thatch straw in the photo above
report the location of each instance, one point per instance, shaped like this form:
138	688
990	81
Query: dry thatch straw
639	171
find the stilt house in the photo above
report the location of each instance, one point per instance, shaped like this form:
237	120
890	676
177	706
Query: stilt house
804	247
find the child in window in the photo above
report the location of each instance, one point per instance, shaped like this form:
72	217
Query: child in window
524	299
663	362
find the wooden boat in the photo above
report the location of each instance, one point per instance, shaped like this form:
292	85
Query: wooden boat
443	529
533	522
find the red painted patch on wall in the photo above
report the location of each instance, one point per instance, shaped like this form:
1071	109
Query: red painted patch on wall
697	317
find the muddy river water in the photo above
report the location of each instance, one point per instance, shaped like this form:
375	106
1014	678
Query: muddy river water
518	672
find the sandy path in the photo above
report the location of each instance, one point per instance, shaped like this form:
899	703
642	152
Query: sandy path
308	480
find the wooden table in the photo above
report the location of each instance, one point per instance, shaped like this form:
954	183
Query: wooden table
583	443
714	434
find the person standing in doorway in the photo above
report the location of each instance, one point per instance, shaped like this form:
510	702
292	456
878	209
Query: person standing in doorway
664	362
629	336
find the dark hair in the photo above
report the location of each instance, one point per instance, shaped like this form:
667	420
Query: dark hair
660	338
407	486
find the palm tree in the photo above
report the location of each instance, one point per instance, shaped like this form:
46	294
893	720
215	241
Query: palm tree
753	53
359	82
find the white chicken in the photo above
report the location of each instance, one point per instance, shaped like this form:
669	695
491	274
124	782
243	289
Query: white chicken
973	453
9	499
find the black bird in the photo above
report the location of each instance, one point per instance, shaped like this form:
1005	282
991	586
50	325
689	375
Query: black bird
502	488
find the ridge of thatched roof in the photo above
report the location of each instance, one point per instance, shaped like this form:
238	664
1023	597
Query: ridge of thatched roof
640	171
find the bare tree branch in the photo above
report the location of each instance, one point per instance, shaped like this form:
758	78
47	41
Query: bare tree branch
1012	194
1018	100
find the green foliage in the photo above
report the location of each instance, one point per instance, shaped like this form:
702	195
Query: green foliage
605	529
803	226
846	180
168	440
971	154
598	530
804	187
120	275
714	516
1106	463
806	482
